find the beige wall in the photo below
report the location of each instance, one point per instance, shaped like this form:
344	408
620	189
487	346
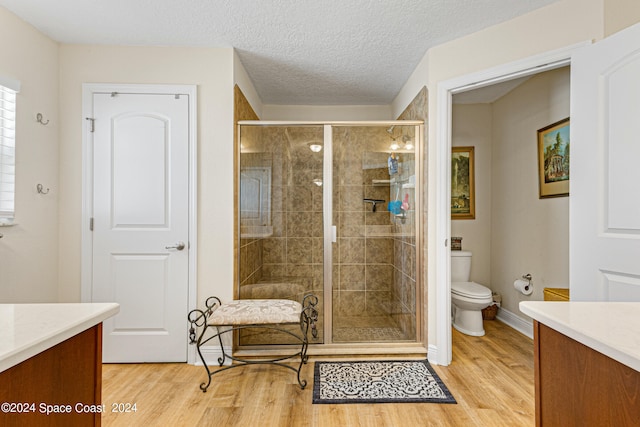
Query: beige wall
212	71
471	126
619	14
242	79
29	250
528	234
326	112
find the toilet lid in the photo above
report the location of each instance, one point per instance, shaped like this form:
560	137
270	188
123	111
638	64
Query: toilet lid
470	289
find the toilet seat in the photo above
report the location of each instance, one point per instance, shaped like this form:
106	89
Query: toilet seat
471	290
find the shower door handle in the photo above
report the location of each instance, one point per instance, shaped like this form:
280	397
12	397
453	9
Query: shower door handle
334	233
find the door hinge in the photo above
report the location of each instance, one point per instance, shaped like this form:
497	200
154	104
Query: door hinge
91	224
93	123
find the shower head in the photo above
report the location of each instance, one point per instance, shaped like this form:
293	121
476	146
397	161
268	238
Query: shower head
390	130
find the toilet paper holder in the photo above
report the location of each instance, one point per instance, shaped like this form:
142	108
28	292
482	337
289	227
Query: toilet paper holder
524	285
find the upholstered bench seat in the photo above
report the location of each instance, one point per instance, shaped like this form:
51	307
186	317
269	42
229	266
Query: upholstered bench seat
272	314
256	312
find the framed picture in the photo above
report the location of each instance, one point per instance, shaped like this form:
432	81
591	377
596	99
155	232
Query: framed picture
553	159
463	199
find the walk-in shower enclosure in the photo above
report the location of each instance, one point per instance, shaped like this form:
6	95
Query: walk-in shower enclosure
333	209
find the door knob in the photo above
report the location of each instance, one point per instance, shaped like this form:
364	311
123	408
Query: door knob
179	246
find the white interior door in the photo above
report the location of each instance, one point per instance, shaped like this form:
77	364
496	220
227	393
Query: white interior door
605	173
141	224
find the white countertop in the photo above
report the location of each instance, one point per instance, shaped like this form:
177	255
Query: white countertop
611	328
29	329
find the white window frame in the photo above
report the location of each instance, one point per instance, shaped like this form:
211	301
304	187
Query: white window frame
8	107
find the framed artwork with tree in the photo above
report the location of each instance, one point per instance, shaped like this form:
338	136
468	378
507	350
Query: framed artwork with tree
553	159
463	200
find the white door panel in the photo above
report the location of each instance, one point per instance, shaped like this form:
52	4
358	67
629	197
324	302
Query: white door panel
140	194
605	177
141	210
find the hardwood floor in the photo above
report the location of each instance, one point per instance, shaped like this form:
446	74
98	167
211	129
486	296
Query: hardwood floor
491	378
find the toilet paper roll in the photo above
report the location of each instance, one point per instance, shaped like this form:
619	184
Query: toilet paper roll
523	286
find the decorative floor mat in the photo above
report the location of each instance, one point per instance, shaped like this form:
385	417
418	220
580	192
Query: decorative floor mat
408	381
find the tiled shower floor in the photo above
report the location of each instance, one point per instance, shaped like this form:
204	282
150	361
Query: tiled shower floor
352	329
366	329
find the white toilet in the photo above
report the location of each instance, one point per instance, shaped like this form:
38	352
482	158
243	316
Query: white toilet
467	298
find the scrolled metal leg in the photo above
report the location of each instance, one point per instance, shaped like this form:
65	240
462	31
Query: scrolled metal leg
198	319
309	316
222	358
308	319
205	385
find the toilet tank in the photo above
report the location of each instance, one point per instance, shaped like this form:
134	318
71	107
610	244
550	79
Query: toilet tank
460	266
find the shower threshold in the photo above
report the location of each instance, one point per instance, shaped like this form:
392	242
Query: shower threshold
346	351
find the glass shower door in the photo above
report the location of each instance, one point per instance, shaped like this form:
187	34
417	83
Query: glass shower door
280	214
373	272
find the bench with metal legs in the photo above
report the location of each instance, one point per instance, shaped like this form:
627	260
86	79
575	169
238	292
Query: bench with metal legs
271	314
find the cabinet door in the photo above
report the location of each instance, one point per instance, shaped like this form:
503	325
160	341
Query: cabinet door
578	386
65	380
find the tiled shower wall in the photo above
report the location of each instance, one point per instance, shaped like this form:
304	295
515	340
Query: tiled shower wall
294	253
287	262
251	241
403	292
363	254
407	315
250	248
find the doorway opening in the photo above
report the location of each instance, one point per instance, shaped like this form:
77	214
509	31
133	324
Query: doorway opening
500	124
442	233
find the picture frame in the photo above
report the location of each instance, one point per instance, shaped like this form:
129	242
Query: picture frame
553	159
463	199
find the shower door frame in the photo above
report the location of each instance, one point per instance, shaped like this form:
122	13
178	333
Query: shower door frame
418	347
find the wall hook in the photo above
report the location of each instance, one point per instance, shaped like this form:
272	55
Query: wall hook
39	119
39	187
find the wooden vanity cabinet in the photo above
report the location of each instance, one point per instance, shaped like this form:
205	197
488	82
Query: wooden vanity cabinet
576	385
67	375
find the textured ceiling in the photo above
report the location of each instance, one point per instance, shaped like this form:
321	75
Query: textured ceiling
323	52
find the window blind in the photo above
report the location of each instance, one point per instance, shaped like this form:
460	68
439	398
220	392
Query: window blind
7	151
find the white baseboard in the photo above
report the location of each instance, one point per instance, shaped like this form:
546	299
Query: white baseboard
521	325
432	354
211	355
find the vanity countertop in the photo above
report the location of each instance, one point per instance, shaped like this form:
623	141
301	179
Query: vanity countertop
28	329
611	328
